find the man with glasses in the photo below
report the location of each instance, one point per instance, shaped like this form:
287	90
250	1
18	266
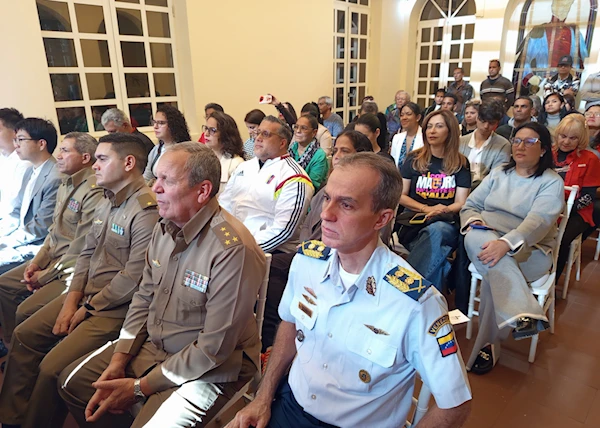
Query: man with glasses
115	120
522	114
270	193
562	82
25	232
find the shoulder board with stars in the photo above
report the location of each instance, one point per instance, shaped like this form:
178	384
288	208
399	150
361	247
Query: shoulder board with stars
227	235
315	249
146	201
409	282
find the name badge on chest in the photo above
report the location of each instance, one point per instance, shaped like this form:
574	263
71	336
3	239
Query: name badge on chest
74	205
119	230
305	310
195	280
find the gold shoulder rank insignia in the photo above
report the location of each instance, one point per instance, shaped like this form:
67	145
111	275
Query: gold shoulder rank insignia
409	282
315	249
92	180
227	234
146	200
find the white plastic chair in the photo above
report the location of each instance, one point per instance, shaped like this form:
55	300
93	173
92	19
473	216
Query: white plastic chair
260	316
543	288
574	257
421	404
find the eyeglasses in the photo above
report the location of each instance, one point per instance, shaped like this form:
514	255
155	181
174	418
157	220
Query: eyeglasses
20	140
590	114
266	134
301	128
158	122
529	142
209	130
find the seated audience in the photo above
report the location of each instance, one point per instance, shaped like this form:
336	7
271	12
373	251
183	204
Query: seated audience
411	136
223	137
367	295
368	106
592	120
209	109
332	121
50	269
436	182
286	110
170	128
462	90
469	123
520	204
370	126
576	166
522	113
537	107
189	340
393	112
115	120
347	143
13	168
437	102
107	273
27	225
553	110
449	103
484	148
271	193
323	135
252	121
306	150
570	103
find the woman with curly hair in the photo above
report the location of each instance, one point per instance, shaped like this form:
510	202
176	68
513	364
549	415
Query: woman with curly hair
223	137
170	128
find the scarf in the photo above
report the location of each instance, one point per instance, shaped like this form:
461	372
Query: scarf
308	153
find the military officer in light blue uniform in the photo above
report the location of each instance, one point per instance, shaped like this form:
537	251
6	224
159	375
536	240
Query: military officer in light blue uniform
359	322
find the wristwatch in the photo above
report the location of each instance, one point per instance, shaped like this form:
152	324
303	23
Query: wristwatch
88	306
137	390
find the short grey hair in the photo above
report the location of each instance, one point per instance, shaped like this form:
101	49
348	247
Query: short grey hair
201	164
369	107
328	100
84	143
388	190
284	130
118	117
402	91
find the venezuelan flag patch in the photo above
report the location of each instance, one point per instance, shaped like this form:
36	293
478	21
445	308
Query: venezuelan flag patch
447	344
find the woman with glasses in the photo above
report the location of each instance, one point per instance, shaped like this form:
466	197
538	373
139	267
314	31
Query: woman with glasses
306	150
469	123
592	120
577	166
170	128
252	121
221	134
509	223
411	137
435	184
323	136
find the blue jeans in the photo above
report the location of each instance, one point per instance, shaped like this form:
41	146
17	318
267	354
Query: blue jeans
429	251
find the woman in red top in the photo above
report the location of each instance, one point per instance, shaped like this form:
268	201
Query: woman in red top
580	167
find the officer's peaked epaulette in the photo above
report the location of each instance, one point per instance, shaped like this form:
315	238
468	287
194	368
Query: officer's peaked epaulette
146	200
315	249
409	282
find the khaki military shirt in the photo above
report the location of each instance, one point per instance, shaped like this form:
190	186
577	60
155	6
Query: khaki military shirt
76	200
196	300
110	266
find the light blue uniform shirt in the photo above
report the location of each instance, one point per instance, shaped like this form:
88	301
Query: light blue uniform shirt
359	349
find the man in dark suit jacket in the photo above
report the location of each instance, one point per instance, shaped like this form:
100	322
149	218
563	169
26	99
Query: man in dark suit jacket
35	141
437	102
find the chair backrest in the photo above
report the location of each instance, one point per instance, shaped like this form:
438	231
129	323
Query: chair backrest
421	404
564	218
262	297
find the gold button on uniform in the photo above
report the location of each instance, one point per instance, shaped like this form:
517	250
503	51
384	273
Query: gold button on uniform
364	376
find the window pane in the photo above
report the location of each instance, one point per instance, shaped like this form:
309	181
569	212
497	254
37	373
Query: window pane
157	3
95	53
456	30
352	97
364	24
469	31
435	70
422	102
339	98
363	48
453	66
363	72
129	1
164	84
424	53
454	51
158	24
137	85
60	52
433	86
353	72
340	48
468	9
426	34
72	119
430	12
354	23
353	48
423	69
134	54
162	55
97	112
364	2
361	93
467	68
54	16
436	53
341	21
468	50
66	87
438	34
140	114
90	19
167	103
100	86
422	88
339	72
130	22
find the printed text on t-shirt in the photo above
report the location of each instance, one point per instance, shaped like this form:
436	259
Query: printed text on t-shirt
436	186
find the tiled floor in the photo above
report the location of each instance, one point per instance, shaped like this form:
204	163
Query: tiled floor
561	389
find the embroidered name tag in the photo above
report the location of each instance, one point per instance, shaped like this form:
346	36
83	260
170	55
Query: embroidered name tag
74	205
119	230
195	280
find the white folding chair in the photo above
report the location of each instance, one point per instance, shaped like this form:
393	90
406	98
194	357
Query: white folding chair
421	404
251	386
597	239
574	257
542	289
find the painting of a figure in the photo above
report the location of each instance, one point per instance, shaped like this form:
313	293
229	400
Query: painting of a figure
549	31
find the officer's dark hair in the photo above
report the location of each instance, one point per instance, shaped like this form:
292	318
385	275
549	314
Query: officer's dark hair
10	117
526	98
40	129
491	111
387	193
360	142
84	143
128	145
201	164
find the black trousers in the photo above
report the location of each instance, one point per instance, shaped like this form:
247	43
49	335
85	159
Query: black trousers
575	226
278	276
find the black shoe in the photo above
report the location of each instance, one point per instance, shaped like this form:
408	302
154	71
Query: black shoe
528	327
485	361
3	349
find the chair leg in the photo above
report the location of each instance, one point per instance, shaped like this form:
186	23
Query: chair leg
471	309
597	247
578	263
551	312
569	267
533	348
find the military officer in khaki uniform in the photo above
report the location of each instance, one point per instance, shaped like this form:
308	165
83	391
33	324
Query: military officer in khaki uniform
49	270
107	273
190	340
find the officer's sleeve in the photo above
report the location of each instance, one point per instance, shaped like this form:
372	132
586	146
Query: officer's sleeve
431	348
121	288
288	293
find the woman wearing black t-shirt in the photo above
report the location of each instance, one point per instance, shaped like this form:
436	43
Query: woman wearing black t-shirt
436	181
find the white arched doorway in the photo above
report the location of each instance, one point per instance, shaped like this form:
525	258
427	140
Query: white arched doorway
444	41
